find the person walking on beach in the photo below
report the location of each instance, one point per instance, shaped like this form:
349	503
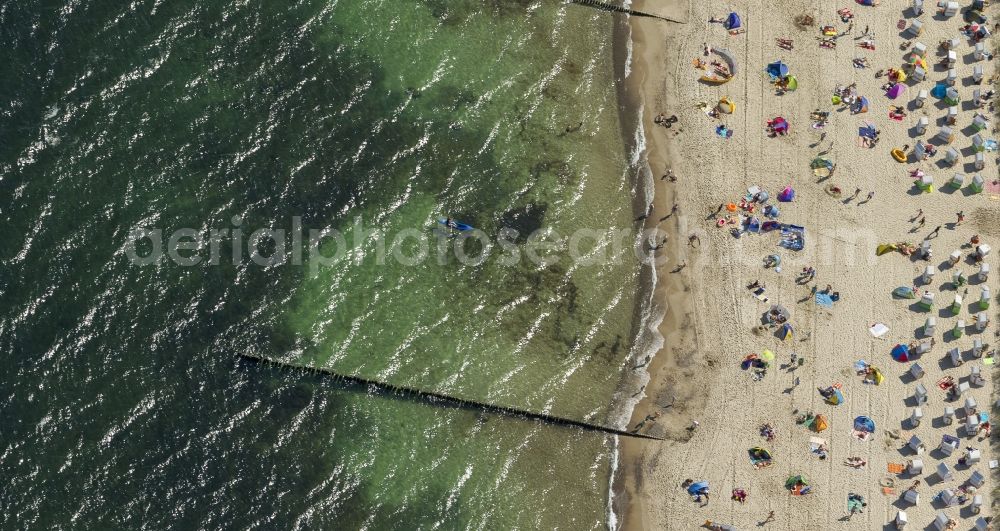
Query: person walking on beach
870	196
920	212
920	224
857	191
935	232
770	518
961	218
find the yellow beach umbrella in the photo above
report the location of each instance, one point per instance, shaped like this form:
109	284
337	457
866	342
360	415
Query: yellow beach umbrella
726	105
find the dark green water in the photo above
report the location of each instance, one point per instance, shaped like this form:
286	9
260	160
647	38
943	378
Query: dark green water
123	402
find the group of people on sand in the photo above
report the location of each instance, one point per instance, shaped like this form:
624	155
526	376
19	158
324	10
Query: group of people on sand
664	120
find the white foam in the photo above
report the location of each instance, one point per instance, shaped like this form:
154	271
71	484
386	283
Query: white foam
649	341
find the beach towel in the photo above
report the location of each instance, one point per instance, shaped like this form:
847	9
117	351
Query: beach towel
824	300
896	468
792	237
946	383
818	446
878	329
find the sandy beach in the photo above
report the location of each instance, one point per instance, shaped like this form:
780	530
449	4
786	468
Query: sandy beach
713	322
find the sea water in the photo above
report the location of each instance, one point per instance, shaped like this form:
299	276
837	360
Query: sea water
124	401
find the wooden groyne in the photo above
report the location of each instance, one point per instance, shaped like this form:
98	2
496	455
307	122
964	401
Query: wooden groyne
442	399
619	9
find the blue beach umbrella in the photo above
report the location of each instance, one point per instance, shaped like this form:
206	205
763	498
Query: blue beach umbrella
786	332
700	487
836	398
864	423
901	353
777	70
733	21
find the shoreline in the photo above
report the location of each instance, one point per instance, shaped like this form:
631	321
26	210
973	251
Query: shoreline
662	323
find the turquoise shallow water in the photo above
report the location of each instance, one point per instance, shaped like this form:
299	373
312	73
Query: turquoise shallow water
123	401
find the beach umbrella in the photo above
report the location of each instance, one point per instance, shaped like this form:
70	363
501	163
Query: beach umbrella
860	106
916	60
779	124
728	57
867	131
895	90
821	162
778	311
836	398
885	248
786	195
975	16
939	90
759	454
904	292
820	423
899	76
794	481
867	2
767	356
777	70
786	332
698	487
865	424
791	83
726	105
901	353
733	21
877	375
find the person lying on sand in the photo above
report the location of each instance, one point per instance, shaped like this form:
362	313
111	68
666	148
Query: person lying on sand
855	462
